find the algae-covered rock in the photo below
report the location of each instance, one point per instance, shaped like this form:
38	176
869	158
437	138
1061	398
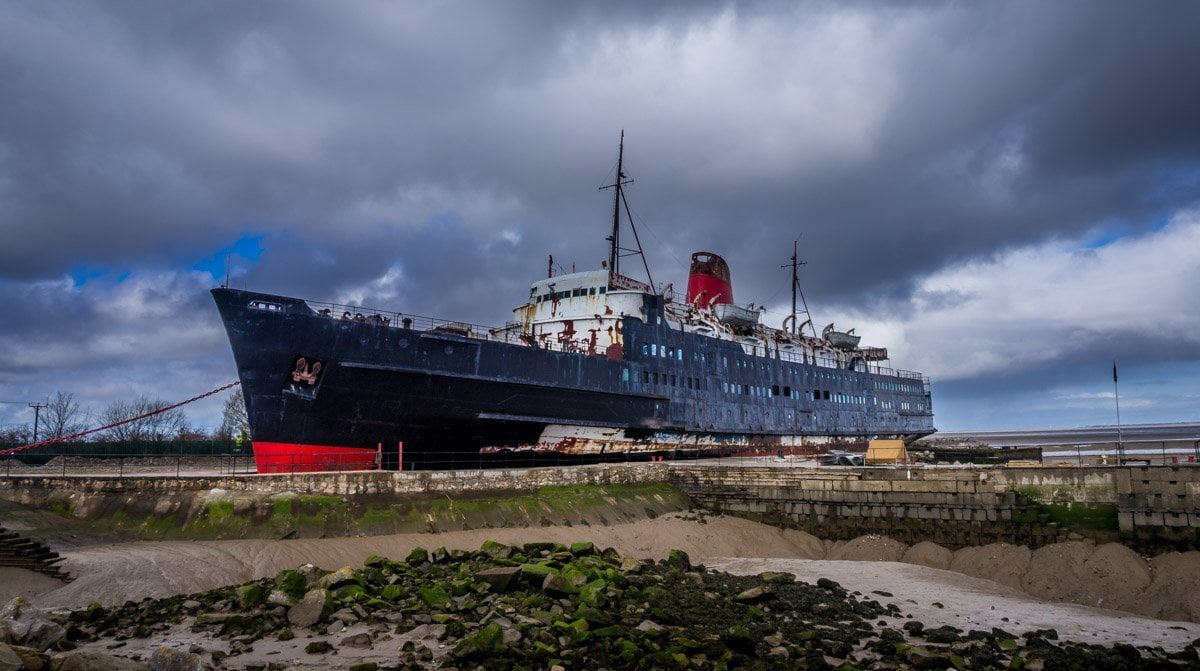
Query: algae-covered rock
292	583
393	592
480	644
678	559
498	550
418	556
753	595
251	595
583	548
777	577
318	647
435	597
537	571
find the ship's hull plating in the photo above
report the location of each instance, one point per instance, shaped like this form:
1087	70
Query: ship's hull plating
327	392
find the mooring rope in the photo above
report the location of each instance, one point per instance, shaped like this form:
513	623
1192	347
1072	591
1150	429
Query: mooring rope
73	436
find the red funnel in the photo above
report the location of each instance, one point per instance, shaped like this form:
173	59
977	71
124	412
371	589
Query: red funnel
708	283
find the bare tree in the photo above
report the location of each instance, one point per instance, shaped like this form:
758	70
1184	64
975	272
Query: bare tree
64	416
159	426
19	434
234	420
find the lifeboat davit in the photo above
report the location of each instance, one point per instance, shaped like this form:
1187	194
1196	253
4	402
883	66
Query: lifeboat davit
708	281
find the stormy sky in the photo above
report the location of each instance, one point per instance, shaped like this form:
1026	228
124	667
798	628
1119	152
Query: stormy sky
1006	195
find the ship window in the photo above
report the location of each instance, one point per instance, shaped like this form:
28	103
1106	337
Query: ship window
672	380
645	349
653	349
774	390
787	391
679	354
602	289
656	378
645	377
592	291
624	374
826	394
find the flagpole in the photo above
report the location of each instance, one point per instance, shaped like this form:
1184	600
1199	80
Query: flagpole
1117	398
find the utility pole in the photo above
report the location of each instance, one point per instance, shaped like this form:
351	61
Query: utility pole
1117	398
37	415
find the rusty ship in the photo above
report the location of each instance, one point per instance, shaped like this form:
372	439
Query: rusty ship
595	365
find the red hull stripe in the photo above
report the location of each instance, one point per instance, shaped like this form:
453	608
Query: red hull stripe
298	457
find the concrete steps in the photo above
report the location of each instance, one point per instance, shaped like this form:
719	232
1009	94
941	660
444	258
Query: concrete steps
21	552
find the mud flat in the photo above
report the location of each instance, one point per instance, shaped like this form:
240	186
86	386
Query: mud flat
924	580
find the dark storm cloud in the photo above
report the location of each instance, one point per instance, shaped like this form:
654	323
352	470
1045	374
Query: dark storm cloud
428	158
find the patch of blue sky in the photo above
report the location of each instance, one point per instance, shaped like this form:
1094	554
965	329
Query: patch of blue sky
248	247
1104	237
81	275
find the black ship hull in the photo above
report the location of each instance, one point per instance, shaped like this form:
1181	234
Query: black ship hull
330	388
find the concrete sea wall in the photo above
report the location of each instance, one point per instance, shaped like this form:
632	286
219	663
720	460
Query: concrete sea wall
1149	508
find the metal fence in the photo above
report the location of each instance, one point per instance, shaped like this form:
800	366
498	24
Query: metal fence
109	463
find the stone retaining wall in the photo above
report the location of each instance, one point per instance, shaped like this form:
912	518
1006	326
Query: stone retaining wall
1151	508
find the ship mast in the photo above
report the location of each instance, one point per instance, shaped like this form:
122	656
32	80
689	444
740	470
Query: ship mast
796	263
614	240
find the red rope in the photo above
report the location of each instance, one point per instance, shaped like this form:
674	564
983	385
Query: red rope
73	436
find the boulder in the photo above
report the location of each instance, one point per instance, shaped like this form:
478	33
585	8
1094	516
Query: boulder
169	659
315	605
93	661
343	576
498	550
23	624
419	555
499	578
33	659
9	659
555	584
678	559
